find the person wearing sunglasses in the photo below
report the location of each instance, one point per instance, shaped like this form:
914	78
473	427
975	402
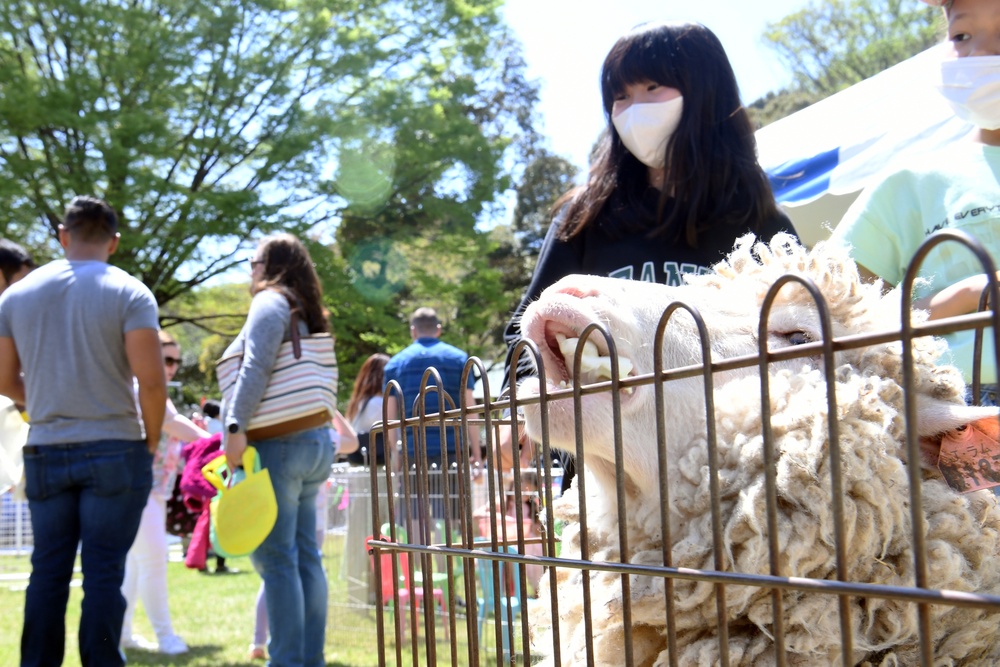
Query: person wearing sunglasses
146	565
283	282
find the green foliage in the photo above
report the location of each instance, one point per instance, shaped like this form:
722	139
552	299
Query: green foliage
466	277
776	105
207	124
832	44
371	299
204	322
362	321
545	179
512	250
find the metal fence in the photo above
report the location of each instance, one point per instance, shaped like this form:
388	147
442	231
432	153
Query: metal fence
15	526
445	555
718	566
444	516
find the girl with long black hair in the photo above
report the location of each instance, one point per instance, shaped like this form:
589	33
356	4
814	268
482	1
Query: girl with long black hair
674	180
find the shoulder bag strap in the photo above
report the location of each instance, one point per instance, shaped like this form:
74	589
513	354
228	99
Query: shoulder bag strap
296	343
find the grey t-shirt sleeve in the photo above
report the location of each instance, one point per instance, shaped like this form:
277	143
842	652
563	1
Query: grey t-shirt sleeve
5	329
266	327
140	311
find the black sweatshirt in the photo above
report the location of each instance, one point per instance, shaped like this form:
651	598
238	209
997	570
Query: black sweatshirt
602	249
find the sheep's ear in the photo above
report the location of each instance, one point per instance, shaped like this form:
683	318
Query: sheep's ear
962	442
935	418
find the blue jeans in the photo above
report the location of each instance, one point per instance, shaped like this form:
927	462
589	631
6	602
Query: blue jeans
89	494
289	559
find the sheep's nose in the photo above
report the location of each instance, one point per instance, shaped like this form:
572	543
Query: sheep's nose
578	292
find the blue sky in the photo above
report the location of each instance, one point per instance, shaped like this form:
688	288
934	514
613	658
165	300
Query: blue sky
565	42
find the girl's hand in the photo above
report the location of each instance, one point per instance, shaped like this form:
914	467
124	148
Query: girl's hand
236	444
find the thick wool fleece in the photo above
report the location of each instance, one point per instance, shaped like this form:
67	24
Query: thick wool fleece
962	531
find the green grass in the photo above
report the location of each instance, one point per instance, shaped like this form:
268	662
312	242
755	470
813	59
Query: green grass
214	614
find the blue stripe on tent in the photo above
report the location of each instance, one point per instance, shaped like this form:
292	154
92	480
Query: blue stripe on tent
800	180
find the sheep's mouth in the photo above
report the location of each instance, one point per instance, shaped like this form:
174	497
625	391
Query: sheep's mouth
559	354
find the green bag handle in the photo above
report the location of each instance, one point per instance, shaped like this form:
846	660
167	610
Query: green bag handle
217	471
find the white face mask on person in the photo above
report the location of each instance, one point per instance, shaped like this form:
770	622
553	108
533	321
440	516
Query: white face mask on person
972	87
645	129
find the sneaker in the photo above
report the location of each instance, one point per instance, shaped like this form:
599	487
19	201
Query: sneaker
257	652
172	645
137	642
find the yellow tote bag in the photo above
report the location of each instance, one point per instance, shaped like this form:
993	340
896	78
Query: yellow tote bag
244	510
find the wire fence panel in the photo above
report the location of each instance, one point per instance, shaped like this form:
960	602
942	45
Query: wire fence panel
777	471
15	526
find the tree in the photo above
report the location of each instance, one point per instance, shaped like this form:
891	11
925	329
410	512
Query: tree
207	123
545	179
776	105
372	294
204	321
511	251
832	44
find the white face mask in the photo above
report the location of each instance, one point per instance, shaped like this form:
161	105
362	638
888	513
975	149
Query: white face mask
972	87
645	129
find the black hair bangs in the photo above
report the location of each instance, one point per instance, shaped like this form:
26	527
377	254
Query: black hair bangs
648	53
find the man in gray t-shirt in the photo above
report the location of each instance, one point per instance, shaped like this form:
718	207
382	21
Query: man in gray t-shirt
73	334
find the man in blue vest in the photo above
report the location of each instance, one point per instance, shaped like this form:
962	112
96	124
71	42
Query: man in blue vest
408	368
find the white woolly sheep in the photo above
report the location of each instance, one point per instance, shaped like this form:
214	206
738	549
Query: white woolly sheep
962	531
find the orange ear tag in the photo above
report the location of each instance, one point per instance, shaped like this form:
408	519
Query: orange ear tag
970	458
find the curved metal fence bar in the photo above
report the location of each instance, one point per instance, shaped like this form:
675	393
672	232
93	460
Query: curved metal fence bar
918	521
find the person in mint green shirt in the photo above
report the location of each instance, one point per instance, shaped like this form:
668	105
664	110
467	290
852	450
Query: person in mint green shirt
955	188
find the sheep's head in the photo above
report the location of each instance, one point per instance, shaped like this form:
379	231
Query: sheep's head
729	301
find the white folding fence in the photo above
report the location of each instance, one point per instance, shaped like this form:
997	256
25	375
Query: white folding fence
15	527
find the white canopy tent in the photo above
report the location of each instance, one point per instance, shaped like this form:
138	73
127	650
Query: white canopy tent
820	158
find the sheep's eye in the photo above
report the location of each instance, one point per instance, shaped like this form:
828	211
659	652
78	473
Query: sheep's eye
798	338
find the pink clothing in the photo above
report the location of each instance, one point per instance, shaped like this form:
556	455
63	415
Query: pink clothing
197	552
196	454
197	495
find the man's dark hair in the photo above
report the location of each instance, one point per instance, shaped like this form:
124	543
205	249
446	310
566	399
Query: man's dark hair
425	321
90	220
211	409
12	259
